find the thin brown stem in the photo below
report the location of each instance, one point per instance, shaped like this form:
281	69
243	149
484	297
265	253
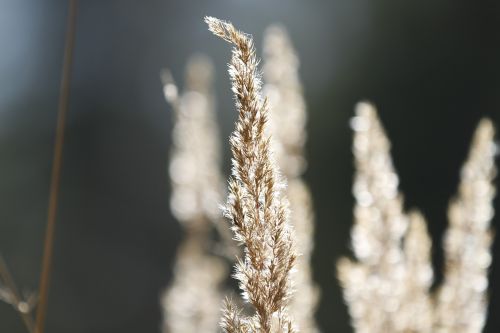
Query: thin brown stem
17	302
56	168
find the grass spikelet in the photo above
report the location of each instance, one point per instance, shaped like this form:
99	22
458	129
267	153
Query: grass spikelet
256	205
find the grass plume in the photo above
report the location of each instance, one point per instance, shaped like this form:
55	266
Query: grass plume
388	288
376	284
256	205
287	123
461	304
191	304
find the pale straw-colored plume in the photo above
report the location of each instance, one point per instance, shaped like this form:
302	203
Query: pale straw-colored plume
387	288
461	304
256	205
377	287
192	302
287	123
195	157
287	115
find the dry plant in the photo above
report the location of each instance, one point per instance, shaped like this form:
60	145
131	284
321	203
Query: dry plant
461	304
8	290
256	205
387	288
375	285
9	293
192	302
287	122
62	112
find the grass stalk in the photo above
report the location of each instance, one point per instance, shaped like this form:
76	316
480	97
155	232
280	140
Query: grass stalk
48	247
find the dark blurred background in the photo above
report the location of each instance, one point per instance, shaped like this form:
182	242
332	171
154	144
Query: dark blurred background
431	66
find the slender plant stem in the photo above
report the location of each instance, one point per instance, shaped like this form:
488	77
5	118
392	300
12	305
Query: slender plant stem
14	291
56	168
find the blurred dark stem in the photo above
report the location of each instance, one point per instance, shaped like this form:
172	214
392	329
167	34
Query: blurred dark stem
56	168
17	301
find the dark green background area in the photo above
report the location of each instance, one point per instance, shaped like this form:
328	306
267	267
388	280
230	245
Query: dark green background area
432	67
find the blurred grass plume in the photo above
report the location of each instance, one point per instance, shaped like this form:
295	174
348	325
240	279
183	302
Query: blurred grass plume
387	287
